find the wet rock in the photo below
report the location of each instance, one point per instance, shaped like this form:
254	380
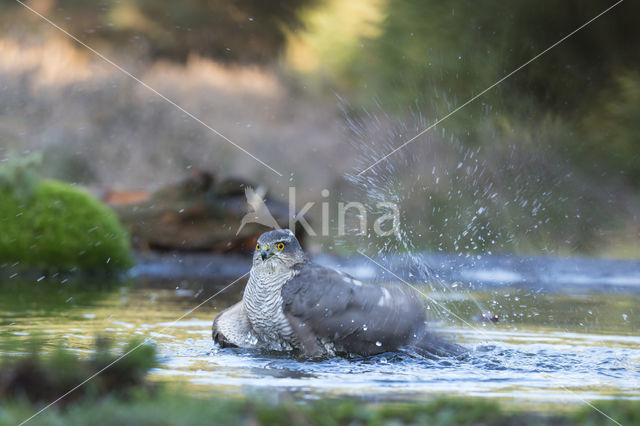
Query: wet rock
199	213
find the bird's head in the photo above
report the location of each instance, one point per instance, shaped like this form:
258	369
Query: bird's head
278	249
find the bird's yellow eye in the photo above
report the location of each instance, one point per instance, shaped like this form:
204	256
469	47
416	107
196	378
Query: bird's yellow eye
280	246
257	246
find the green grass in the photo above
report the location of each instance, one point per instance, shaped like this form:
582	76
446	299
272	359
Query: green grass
59	227
176	408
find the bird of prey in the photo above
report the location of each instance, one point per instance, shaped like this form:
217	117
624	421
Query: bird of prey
293	304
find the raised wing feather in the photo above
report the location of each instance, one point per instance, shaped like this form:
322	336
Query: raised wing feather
231	328
328	307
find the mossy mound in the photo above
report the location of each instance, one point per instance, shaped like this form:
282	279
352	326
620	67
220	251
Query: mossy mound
59	227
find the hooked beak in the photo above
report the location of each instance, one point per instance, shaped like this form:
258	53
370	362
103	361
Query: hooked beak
265	254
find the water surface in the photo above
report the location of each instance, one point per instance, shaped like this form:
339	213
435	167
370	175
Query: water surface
562	345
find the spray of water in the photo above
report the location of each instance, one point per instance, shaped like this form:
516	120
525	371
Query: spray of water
457	198
410	181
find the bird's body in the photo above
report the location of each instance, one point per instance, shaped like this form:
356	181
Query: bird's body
291	303
263	304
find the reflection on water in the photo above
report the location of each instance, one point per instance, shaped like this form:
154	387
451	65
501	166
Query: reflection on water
546	347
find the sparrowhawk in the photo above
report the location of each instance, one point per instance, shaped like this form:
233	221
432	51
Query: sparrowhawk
293	304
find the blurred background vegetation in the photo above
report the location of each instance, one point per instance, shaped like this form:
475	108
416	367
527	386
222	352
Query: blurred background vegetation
547	161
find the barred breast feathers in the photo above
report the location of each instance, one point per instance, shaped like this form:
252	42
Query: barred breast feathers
263	304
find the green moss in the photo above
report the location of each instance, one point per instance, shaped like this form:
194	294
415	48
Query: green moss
59	227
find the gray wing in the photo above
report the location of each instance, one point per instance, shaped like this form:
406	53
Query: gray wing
325	306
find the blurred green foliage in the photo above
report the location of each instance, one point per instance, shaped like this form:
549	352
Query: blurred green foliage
433	56
43	374
236	30
51	225
558	141
18	176
177	408
611	127
442	53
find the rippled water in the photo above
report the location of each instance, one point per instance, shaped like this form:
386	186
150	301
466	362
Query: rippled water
548	346
527	364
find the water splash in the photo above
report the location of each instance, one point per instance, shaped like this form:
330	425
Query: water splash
454	197
390	181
